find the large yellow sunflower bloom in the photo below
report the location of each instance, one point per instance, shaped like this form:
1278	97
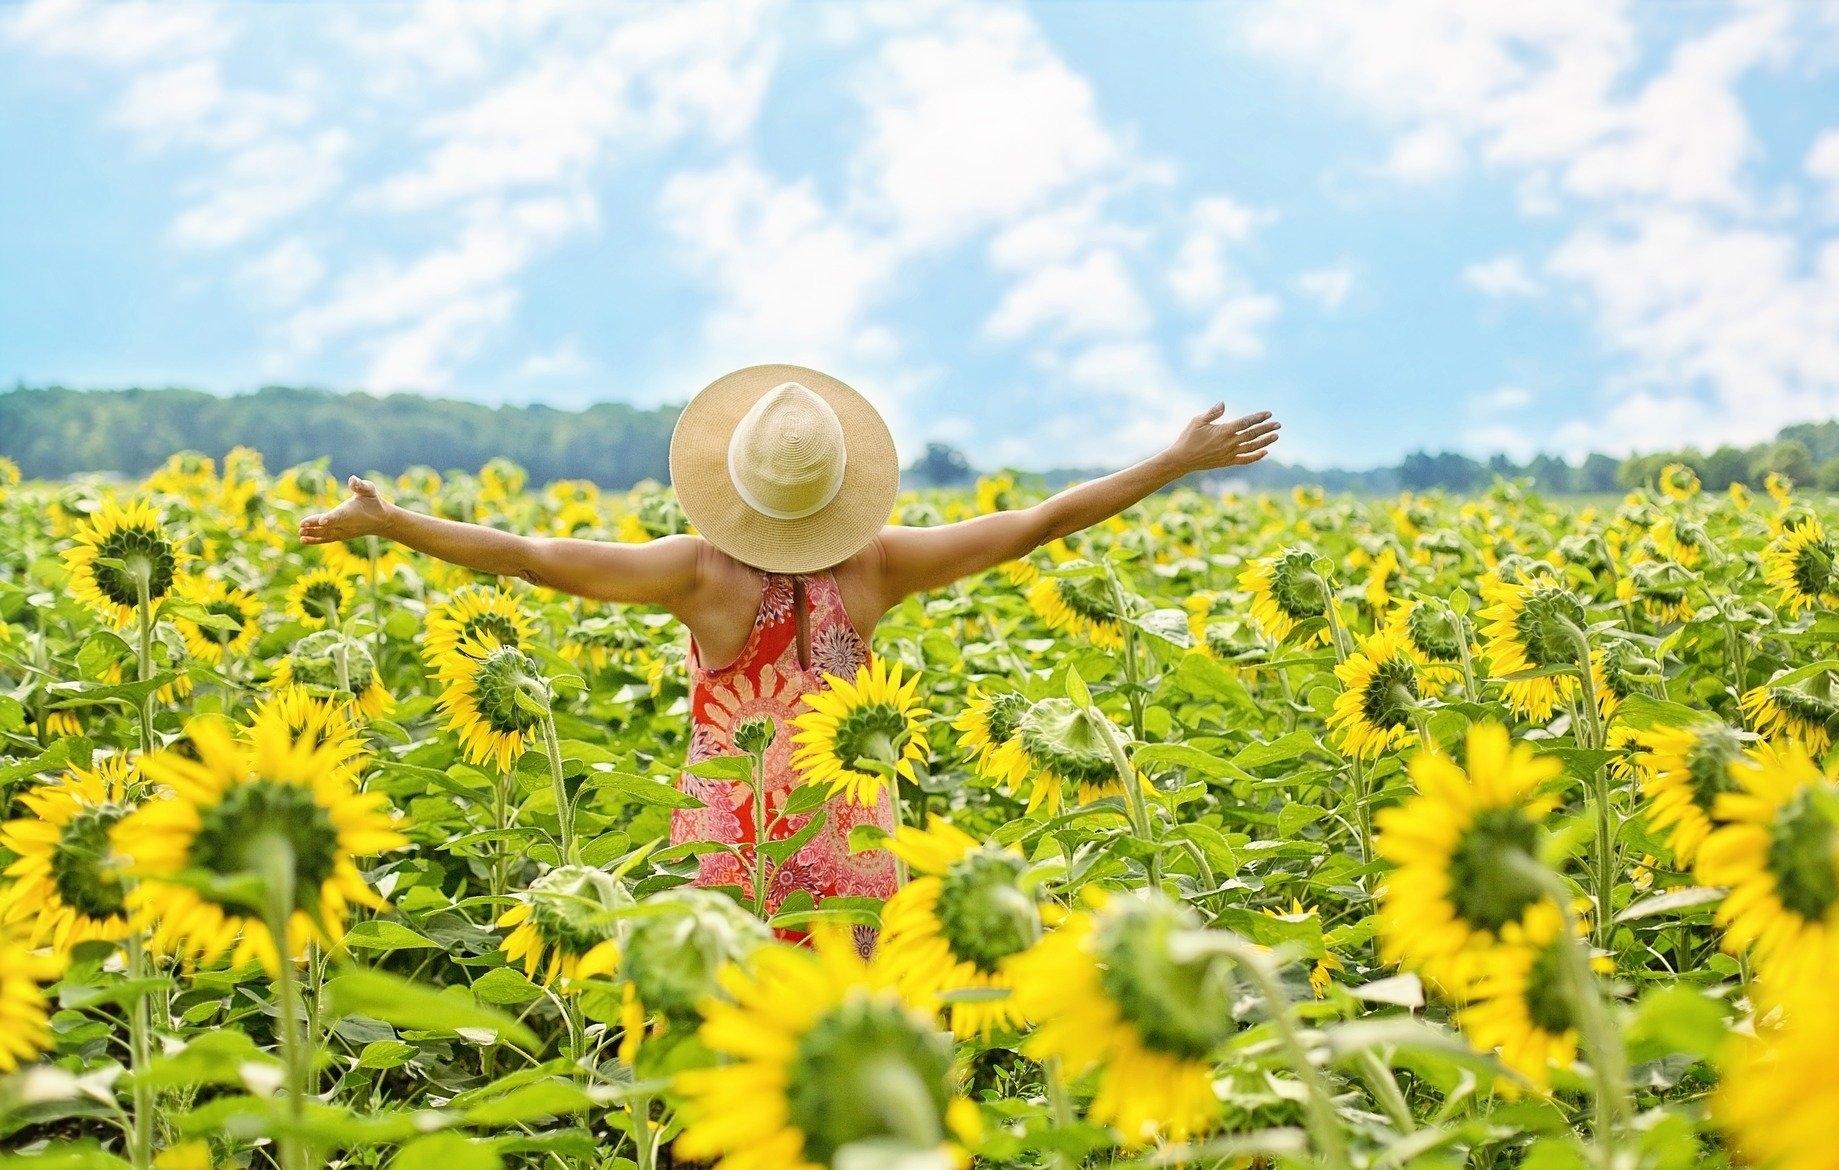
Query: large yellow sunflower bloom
877	717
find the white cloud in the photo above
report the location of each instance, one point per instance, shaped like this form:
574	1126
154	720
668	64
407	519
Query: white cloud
1501	276
1728	323
565	360
283	274
1095	295
1329	286
1205	280
1503	399
1822	163
117	34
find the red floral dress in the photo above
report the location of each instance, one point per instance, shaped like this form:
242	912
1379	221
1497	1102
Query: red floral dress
767	679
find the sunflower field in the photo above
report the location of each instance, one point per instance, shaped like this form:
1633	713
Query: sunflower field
1237	831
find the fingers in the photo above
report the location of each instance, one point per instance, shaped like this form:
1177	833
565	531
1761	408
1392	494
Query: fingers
362	487
1250	420
1258	431
1211	413
1242	460
1258	444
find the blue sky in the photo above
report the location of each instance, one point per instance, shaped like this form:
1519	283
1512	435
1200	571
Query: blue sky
1045	233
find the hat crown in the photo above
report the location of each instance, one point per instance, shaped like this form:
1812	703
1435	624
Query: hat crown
786	456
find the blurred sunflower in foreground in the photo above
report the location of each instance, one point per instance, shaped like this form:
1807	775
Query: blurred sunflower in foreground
822	1061
66	887
255	801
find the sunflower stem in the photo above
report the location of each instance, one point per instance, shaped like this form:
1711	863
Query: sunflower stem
642	1137
1469	690
376	603
1323	1125
757	777
1059	1105
1132	669
1363	812
1133	795
570	849
1604	853
140	1048
277	855
144	649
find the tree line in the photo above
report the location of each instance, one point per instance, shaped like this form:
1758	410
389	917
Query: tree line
52	432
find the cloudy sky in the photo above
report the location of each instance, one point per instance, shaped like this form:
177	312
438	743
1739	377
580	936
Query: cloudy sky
1046	233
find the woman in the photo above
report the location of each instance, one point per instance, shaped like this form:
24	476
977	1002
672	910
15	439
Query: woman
789	477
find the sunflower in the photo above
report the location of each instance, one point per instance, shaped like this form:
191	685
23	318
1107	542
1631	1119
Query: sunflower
990	726
1803	710
483	681
1517	1003
1381	576
313	665
996	493
1687	770
1454	844
875	717
568	925
1779	487
135	546
1663	588
1678	482
236	807
1530	630
1681	541
319	720
1799	564
25	1012
215	596
821	1054
320	597
368	558
950	929
1617	670
471	612
1063	743
1380	694
1117	990
66	887
1778	852
1323	972
1435	633
674	953
1776	1095
1286	591
1627	755
1081	606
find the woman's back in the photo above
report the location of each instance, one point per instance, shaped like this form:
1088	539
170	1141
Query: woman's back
800	633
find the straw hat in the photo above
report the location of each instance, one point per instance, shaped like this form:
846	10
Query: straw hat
784	468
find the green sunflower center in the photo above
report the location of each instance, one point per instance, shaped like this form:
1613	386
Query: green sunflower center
1487	893
236	835
866	1070
1391	694
1434	633
1804	854
1061	738
1547	1006
313	661
1004	716
1708	764
494	625
501	675
1813	567
85	880
982	910
1180	1006
224	609
1810	704
1543	627
875	731
1089	597
1296	588
573	907
142	552
323	599
674	953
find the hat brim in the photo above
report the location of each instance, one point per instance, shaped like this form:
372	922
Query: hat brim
834	533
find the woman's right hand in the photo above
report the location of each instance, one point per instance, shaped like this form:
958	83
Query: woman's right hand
362	514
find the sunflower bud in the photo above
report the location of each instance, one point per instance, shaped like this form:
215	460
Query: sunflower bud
576	907
869	1070
672	955
1435	631
754	735
1178	996
982	910
1061	738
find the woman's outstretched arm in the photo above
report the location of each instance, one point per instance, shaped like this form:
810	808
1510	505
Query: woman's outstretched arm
661	572
914	560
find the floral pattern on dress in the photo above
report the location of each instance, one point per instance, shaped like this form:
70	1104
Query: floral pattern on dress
767	680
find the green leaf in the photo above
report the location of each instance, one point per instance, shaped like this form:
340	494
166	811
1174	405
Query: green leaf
382	1054
379	934
173	607
408	1004
446	1151
505	986
1170	625
723	768
1155	757
838	911
862	838
1679	1019
1303	932
643	790
780	850
1643	712
805	798
209	1058
1076	688
538	1102
1286	747
1672	901
78	694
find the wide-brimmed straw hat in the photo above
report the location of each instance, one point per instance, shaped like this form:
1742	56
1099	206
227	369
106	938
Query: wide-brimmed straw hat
784	468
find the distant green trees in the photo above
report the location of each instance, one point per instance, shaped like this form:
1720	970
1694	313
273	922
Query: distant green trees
56	432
